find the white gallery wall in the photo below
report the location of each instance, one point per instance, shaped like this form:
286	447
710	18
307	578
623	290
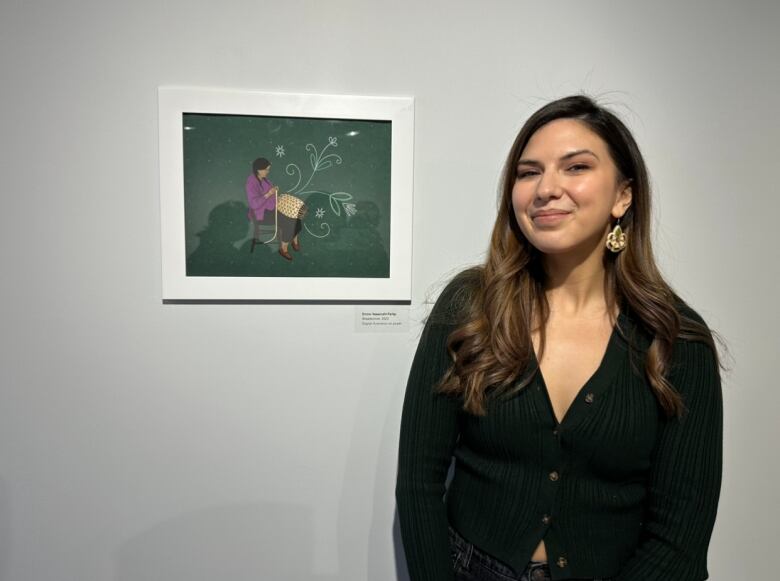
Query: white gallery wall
142	441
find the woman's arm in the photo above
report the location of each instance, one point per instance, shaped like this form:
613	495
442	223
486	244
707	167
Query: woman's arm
268	189
258	194
428	435
685	477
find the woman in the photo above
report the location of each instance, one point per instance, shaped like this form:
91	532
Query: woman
578	394
261	196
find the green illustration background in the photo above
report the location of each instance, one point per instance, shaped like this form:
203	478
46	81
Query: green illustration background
218	155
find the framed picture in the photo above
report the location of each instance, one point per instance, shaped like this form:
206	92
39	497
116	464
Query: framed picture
275	197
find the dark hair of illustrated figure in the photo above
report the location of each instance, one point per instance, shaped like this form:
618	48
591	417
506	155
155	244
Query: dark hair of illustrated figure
260	164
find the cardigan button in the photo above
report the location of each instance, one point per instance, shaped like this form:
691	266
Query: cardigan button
546	519
554	475
555	432
562	562
589	398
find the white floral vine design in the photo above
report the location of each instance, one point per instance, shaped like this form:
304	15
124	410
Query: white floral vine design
321	161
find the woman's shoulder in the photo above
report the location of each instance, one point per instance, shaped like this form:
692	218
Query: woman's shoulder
457	296
693	326
688	316
694	366
694	333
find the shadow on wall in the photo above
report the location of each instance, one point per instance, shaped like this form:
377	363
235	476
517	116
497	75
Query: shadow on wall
401	568
372	458
5	528
245	542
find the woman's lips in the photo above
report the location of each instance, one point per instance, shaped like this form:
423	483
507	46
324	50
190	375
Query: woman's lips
550	218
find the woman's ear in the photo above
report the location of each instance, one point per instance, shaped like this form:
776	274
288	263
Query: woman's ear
623	201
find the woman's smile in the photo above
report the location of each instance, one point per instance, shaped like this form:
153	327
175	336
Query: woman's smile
550	219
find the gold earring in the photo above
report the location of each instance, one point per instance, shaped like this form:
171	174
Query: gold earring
616	240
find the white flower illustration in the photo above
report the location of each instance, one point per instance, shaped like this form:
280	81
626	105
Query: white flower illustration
333	141
350	209
319	213
280	151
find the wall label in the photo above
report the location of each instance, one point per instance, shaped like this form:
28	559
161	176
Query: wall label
382	319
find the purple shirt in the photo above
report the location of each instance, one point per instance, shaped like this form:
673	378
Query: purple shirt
255	196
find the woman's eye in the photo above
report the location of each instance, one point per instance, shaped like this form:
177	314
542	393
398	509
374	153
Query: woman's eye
524	173
578	166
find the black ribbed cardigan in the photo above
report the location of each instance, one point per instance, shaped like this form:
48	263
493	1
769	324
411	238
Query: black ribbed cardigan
615	490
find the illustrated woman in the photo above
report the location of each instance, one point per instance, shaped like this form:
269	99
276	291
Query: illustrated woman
261	196
578	394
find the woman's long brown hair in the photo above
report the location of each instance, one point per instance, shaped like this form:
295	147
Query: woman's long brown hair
492	344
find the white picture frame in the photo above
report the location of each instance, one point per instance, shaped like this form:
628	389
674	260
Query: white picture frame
176	103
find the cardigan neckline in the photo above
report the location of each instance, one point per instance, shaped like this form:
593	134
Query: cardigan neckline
593	387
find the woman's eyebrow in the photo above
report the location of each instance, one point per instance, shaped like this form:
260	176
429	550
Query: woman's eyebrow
562	158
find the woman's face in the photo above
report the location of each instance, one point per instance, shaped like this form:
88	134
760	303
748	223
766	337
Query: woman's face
566	168
263	173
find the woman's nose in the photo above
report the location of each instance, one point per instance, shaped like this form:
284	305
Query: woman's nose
548	186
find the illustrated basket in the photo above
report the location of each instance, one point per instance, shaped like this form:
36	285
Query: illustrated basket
290	206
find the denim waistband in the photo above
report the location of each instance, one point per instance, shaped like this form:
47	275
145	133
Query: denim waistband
535	570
